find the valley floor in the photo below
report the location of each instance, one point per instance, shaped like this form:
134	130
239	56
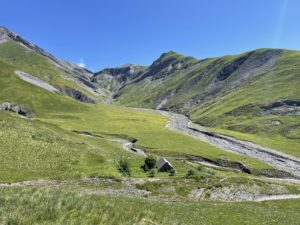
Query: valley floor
279	160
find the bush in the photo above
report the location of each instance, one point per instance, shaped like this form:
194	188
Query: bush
124	167
199	173
191	173
150	163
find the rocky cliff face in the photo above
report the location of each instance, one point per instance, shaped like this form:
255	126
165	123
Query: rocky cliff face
115	78
16	108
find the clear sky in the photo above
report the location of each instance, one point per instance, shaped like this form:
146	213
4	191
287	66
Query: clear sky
110	33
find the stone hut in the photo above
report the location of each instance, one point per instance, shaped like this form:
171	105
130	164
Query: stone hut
163	165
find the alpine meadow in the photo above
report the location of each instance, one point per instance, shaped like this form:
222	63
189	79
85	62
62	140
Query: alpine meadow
182	140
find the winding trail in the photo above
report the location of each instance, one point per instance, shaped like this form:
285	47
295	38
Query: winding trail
126	145
279	160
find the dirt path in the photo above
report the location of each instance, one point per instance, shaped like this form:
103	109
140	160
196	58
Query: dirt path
272	157
126	145
129	147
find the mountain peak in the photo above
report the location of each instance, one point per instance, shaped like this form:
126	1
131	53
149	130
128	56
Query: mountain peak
170	54
171	58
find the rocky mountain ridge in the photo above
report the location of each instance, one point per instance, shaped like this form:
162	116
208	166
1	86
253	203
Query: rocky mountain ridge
6	35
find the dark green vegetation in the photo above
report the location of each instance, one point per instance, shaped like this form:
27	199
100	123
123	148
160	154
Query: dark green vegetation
67	139
150	163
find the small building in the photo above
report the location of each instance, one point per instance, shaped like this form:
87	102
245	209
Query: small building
163	165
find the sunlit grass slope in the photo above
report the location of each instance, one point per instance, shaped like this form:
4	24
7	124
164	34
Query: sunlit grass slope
46	147
196	92
23	59
280	83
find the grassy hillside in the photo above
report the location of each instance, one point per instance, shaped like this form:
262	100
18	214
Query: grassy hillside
229	93
47	147
26	60
239	112
46	206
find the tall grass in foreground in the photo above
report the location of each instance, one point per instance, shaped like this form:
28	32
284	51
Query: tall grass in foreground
51	206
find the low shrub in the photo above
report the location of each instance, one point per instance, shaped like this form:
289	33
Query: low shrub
149	164
124	167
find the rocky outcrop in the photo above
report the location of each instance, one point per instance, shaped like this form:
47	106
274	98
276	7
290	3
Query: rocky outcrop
73	93
226	77
229	69
115	78
36	81
249	65
282	107
273	122
13	107
221	163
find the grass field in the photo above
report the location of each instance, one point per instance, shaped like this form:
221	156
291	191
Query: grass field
42	206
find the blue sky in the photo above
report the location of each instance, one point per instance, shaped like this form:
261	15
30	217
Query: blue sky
115	32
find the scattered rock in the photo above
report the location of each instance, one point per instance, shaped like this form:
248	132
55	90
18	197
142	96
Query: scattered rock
196	194
13	107
273	122
221	163
282	107
85	133
73	93
36	81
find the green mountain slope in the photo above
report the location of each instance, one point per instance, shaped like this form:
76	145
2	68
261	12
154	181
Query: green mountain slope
26	57
67	146
253	95
45	146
